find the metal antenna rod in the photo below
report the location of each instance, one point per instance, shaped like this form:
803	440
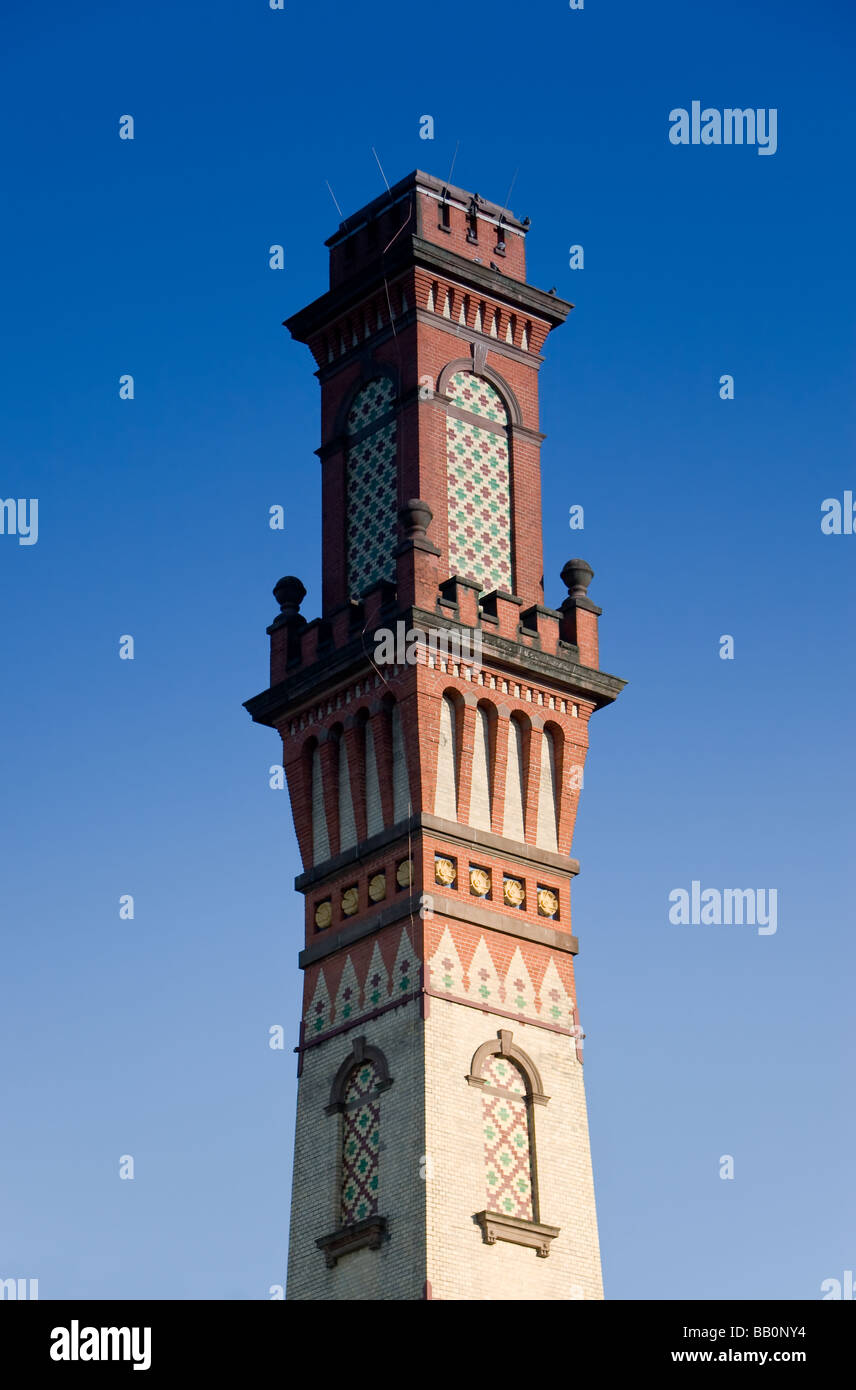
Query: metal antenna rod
452	166
510	190
380	166
333	196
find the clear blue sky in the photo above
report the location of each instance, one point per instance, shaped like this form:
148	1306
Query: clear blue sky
702	517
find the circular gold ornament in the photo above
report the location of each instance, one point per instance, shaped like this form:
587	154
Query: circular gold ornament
548	903
513	892
404	873
323	915
444	871
350	901
377	888
479	882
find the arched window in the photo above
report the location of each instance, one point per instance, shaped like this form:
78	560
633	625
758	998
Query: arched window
446	793
360	1141
372	486
347	823
355	1096
374	806
511	1087
320	837
400	780
479	483
481	791
508	1151
515	781
547	832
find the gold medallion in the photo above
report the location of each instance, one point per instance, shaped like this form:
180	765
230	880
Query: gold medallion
479	882
350	901
513	892
445	871
548	903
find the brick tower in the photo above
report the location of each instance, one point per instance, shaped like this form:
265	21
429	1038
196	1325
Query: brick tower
434	722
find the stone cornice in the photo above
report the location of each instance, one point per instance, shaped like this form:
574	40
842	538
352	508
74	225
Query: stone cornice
327	944
522	853
359	854
414	251
491	283
338	664
463	910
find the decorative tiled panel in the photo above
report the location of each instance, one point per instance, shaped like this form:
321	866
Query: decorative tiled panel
508	1164
377	982
372	488
319	1012
519	991
556	1004
485	984
348	994
370	404
445	972
513	979
372	975
472	393
479	490
520	985
360	1145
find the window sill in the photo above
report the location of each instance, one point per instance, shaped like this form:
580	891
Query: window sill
495	1226
369	1234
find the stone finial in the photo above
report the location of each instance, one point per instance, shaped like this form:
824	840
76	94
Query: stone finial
416	517
577	575
289	593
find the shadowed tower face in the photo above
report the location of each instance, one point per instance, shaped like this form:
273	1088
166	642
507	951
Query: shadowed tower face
434	723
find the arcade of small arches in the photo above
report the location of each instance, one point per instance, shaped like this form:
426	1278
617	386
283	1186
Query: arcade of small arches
496	771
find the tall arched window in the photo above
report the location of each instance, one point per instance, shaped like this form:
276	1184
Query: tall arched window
320	837
547	832
511	1087
400	780
347	823
372	487
508	1151
515	781
479	483
481	790
446	793
374	805
360	1144
355	1096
